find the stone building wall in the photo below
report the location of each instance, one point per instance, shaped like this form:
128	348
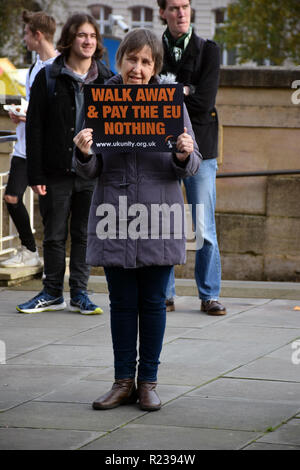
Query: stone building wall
204	13
258	218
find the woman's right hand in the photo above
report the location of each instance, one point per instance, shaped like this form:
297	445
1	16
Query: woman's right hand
16	119
84	140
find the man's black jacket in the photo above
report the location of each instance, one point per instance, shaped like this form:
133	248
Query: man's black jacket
200	69
50	123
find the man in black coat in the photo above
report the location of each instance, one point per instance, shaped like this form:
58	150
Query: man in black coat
195	62
55	115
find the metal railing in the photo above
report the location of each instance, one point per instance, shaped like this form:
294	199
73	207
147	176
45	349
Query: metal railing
191	243
258	173
28	199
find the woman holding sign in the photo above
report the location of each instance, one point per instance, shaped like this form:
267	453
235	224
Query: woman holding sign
136	231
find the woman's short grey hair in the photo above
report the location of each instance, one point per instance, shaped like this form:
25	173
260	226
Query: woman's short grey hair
135	40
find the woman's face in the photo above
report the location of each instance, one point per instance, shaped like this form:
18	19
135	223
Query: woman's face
137	67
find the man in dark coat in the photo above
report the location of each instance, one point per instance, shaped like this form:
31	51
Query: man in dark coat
55	115
195	62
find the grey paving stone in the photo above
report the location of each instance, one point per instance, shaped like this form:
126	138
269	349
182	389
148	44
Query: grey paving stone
44	439
23	339
38	379
270	447
67	355
188	312
86	391
11	398
184	374
254	390
71	416
81	391
214	357
261	336
59	362
218	413
140	437
276	313
168	374
98	335
269	368
288	433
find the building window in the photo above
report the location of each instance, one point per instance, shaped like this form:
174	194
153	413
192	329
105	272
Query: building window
193	17
228	56
101	14
141	17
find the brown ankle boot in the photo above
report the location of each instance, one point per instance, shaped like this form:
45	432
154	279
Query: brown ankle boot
122	392
148	398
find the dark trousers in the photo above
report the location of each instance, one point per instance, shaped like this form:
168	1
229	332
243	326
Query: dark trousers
16	186
137	304
65	207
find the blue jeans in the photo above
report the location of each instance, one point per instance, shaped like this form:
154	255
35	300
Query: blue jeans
201	189
137	307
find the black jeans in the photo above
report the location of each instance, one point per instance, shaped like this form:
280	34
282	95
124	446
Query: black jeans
65	207
16	186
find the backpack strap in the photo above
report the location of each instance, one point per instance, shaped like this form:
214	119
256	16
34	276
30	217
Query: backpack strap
31	67
50	81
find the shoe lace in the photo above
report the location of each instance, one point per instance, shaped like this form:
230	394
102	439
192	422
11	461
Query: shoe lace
42	294
84	301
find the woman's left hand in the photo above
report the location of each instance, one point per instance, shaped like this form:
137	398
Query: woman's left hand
84	140
185	145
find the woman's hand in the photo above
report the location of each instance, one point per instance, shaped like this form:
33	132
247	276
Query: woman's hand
185	145
40	189
84	140
16	119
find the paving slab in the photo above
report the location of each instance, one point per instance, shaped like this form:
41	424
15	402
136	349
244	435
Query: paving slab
44	439
213	356
225	382
287	434
271	447
277	365
276	313
222	413
249	389
24	339
66	355
19	384
82	391
137	437
69	416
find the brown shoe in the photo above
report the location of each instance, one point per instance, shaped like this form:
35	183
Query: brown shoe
148	398
122	392
170	305
213	307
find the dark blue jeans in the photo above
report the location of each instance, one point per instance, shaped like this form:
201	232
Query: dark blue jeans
137	304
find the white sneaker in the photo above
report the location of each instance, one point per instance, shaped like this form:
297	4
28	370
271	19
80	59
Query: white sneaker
24	257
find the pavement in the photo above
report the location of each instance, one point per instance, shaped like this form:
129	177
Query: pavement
226	383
